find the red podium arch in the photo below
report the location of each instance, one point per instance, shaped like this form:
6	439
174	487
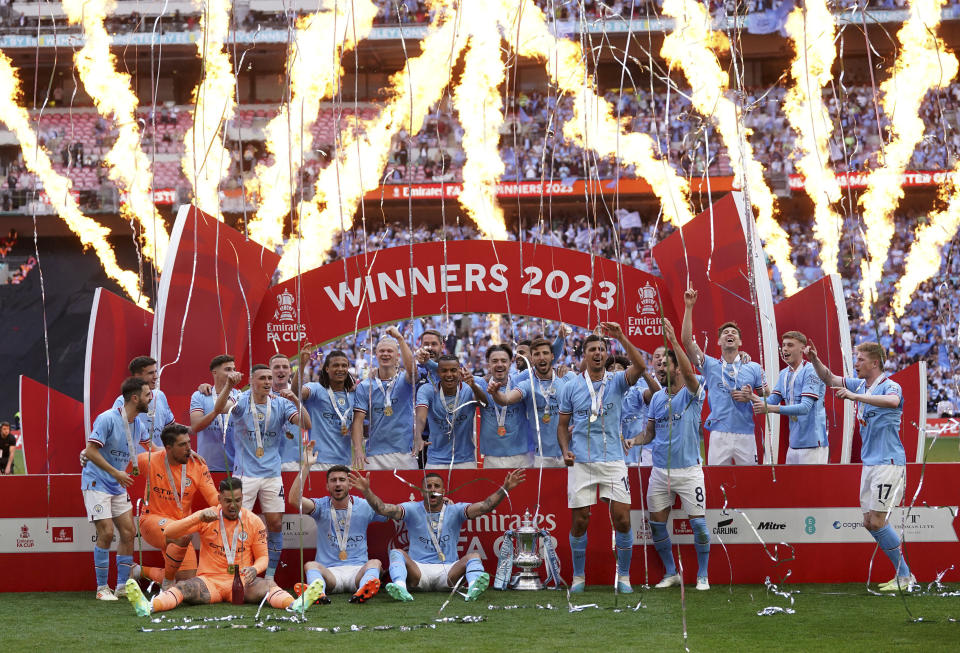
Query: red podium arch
464	276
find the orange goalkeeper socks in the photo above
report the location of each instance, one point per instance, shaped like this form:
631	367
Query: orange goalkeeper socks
167	600
278	598
173	559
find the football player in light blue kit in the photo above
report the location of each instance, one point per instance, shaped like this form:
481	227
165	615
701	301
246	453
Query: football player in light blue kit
260	419
330	403
731	382
546	389
673	426
386	399
589	436
503	432
434	527
799	394
111	446
449	408
633	416
292	437
341	563
158	415
879	402
214	430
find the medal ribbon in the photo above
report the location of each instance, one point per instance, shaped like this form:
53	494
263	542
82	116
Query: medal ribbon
735	367
388	393
501	413
256	421
873	386
230	551
336	408
341	536
173	487
435	536
596	398
133	453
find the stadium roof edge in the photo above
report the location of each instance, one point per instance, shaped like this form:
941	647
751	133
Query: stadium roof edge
754	23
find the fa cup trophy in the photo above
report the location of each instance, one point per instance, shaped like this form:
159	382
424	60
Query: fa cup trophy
526	547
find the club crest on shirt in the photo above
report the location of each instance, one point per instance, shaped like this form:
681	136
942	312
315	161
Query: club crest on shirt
242	536
162	522
188	482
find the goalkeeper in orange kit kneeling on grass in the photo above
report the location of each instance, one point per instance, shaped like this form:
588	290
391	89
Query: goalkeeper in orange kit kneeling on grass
233	542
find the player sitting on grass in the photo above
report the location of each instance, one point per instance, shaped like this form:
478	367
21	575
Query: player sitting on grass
434	527
230	536
341	563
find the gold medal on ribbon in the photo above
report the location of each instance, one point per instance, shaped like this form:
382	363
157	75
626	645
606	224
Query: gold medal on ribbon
388	410
501	431
546	418
259	452
135	472
343	555
231	569
793	418
442	557
343	429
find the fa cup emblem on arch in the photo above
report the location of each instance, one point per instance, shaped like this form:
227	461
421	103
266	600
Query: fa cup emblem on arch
648	300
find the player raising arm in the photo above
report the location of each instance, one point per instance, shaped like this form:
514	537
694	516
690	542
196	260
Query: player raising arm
673	425
879	402
233	539
434	527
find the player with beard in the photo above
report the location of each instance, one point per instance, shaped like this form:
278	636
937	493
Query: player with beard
158	413
232	539
634	414
673	426
111	448
432	563
341	563
545	390
589	436
448	408
175	478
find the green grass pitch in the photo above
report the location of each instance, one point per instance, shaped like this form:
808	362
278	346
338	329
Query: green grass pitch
827	617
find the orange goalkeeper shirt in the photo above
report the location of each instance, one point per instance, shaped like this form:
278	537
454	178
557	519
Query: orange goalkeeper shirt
251	542
164	489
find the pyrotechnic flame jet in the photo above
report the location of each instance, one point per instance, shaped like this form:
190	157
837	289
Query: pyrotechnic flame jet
690	46
205	161
923	63
478	102
812	32
362	156
57	187
314	69
926	253
592	125
126	163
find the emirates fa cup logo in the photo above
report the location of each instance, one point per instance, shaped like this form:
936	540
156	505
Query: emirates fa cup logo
648	300
286	307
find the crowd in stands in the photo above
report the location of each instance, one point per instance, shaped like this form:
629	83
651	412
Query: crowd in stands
416	12
531	145
928	330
